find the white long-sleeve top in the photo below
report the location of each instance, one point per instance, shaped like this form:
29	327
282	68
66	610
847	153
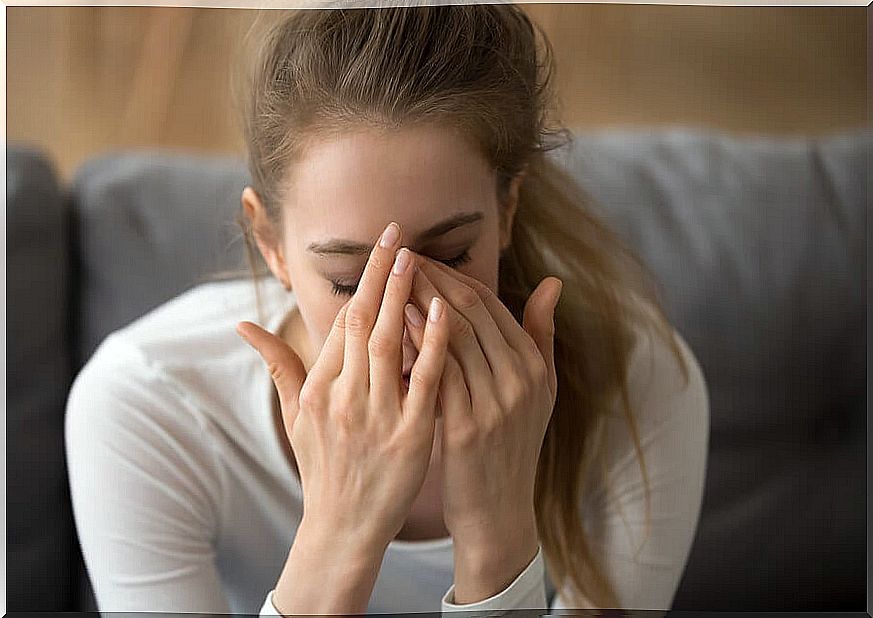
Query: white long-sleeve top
185	501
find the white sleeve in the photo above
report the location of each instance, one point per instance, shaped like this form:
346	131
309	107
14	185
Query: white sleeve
268	609
144	487
527	591
673	422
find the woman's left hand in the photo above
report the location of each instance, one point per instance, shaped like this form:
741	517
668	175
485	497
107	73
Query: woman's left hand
497	394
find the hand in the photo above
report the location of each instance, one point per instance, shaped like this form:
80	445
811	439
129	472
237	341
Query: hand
362	446
497	394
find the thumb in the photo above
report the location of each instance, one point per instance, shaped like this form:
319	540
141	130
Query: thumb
285	367
539	322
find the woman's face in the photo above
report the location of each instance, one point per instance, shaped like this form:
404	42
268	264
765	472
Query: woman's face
346	189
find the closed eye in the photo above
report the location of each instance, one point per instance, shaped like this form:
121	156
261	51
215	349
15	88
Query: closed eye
342	289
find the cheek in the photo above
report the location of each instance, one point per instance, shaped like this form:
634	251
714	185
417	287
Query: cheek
328	307
485	262
318	306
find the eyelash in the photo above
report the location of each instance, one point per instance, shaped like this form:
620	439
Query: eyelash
348	290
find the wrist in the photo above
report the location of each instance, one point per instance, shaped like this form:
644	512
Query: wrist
323	534
487	562
328	572
511	526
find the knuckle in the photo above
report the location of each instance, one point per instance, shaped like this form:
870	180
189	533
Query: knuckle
275	369
310	399
381	345
344	411
465	298
493	425
485	293
379	261
463	329
358	320
462	434
340	320
402	446
420	379
513	388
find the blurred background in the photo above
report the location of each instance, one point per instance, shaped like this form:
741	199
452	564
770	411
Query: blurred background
84	79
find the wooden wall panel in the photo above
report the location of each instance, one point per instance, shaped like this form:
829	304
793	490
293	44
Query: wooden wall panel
81	80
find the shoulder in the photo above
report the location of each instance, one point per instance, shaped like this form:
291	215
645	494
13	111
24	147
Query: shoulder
167	371
200	318
194	331
664	379
669	409
645	501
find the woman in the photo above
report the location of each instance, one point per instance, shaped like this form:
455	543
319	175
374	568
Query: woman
472	395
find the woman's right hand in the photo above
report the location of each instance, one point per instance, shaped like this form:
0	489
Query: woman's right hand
362	445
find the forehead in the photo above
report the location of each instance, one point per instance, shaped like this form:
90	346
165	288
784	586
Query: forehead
353	184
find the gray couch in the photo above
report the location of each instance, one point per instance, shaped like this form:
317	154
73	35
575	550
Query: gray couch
759	244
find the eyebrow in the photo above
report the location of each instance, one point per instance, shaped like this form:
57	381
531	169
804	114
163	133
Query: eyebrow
338	246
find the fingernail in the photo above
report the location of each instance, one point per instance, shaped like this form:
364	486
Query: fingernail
436	309
390	236
413	315
401	261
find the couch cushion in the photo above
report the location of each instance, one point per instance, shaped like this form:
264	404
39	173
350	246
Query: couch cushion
148	225
758	244
38	513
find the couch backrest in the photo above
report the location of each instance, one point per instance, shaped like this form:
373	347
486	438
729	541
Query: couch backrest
759	244
147	225
39	526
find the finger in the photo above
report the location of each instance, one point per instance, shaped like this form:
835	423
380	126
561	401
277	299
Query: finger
539	322
424	379
414	324
329	363
512	331
285	367
452	394
364	308
386	340
469	302
462	341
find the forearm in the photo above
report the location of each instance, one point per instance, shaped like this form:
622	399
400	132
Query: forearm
328	573
488	561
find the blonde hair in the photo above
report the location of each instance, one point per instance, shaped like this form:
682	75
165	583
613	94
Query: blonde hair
485	70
